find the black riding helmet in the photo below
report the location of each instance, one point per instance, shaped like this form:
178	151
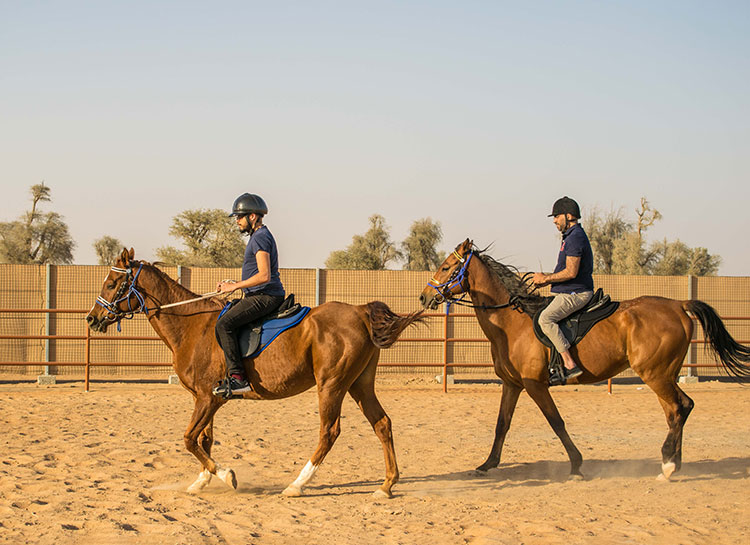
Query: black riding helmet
249	203
566	205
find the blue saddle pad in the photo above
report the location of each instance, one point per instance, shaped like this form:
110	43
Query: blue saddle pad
252	342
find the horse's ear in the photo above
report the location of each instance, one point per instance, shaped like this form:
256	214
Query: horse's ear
124	256
131	254
466	244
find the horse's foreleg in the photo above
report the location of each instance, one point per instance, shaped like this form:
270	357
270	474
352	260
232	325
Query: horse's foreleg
539	392
198	436
329	401
363	392
508	402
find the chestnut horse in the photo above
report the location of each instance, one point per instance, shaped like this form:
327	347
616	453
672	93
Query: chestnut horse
336	348
649	334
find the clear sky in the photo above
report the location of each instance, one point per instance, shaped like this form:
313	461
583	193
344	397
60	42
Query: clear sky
476	114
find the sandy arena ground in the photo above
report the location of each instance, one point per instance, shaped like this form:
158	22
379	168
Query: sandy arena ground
109	467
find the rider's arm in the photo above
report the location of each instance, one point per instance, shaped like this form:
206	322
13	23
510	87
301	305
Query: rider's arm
263	259
572	264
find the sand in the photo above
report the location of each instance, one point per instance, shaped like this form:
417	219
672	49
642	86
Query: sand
109	466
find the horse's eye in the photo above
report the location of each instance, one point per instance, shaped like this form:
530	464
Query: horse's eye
445	269
110	286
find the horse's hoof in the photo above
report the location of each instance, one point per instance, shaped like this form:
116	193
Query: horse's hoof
575	477
666	471
204	477
381	494
196	487
228	476
292	491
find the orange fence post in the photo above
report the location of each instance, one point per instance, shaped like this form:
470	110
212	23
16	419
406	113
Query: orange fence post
88	359
445	349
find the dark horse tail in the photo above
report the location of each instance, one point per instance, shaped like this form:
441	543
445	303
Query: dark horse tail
732	355
386	325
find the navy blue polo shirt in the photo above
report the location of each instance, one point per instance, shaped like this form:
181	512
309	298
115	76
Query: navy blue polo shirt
575	243
262	240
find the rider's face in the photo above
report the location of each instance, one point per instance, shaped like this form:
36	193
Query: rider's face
243	223
561	222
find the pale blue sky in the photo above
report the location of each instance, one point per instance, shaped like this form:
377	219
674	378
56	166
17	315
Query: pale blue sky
477	114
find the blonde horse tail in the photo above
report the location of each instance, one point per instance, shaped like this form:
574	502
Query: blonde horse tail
734	357
385	326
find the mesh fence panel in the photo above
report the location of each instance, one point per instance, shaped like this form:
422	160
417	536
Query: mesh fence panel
76	288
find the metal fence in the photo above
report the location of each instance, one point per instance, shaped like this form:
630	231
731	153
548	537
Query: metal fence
42	328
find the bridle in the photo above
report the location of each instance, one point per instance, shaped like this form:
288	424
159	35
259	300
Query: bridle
457	278
128	288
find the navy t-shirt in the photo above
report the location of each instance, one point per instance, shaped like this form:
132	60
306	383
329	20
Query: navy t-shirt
575	243
262	240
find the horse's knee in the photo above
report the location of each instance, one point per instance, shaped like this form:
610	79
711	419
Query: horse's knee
383	427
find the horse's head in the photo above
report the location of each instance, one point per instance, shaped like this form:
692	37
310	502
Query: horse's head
450	278
119	297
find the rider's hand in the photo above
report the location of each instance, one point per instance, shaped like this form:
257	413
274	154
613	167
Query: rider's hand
226	286
540	279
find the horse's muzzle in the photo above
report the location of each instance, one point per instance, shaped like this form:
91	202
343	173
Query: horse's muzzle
430	303
96	324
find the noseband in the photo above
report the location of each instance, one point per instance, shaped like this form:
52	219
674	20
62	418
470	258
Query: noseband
124	292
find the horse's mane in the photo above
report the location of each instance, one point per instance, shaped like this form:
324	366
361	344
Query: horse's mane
519	285
172	281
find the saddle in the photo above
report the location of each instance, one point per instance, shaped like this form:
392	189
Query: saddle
255	337
574	327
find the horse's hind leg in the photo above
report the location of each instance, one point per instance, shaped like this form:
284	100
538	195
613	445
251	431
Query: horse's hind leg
363	392
539	392
330	398
199	435
677	406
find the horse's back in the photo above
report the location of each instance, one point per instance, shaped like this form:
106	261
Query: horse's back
332	338
644	332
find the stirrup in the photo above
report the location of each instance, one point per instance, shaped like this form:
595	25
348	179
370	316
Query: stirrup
224	389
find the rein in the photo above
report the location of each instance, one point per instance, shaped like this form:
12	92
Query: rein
456	279
129	288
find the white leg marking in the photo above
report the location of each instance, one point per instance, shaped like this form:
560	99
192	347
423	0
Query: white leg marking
305	476
227	475
204	477
666	471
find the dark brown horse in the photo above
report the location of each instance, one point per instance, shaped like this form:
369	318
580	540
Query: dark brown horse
649	334
336	348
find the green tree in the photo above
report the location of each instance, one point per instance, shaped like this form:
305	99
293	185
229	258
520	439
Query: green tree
620	247
107	249
678	259
371	251
603	231
418	250
211	239
36	237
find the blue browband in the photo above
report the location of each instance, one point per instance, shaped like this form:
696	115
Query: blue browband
115	314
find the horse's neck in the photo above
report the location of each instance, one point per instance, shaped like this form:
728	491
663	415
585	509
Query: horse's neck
486	289
171	324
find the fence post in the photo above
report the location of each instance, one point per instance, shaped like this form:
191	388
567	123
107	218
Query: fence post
317	287
693	348
46	378
88	359
445	348
48	316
